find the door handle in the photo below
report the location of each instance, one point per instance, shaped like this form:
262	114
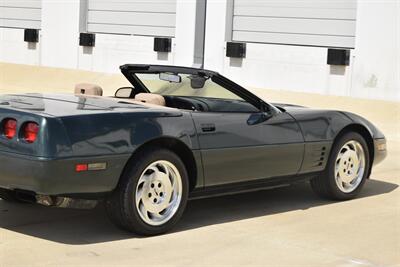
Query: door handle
209	127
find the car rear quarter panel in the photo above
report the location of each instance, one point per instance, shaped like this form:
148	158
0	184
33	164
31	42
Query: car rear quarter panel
103	134
107	136
48	165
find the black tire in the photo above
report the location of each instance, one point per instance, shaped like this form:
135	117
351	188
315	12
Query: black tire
325	185
120	205
9	196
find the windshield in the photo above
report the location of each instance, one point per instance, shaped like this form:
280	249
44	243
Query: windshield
185	85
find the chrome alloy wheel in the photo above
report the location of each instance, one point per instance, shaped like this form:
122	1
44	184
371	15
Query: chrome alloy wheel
350	166
158	192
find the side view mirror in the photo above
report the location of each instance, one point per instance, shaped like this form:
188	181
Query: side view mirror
260	117
124	92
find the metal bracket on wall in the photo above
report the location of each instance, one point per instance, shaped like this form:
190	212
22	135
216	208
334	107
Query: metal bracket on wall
338	57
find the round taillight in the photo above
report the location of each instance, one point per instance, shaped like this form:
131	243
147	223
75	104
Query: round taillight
9	128
30	132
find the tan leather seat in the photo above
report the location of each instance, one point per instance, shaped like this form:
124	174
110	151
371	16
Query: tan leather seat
151	99
88	89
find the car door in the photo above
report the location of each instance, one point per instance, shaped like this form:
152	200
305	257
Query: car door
237	148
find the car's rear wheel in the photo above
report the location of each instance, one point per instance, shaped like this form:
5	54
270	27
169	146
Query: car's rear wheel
152	193
347	169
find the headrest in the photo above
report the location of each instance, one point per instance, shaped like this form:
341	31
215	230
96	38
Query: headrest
88	89
151	98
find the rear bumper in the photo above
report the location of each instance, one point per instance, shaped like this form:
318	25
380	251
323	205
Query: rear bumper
58	176
380	150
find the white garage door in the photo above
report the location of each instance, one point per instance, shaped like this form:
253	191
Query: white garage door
20	14
329	23
137	17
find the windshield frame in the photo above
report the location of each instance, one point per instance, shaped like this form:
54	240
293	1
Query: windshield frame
130	71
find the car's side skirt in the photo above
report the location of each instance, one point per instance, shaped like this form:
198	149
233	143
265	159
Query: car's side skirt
249	186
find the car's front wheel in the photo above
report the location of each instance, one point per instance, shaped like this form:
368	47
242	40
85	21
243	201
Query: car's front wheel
347	169
152	193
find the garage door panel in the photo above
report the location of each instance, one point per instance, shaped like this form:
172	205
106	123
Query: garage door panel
289	25
21	3
133	17
335	4
139	30
20	13
303	22
296	39
333	13
160	6
26	24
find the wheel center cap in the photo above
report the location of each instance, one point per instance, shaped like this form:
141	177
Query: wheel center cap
347	166
155	196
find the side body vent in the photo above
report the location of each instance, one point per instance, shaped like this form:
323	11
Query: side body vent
316	156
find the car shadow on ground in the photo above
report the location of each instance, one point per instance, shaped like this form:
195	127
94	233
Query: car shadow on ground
77	227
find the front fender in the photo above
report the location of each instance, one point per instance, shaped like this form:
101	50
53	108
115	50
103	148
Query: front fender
372	129
319	125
